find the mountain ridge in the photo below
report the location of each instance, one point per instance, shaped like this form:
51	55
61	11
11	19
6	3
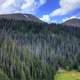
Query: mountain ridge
19	16
72	22
29	17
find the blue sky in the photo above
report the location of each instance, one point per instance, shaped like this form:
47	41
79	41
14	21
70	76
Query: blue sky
50	11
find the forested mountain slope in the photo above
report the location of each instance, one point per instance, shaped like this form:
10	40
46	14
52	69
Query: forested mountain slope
19	16
73	22
35	51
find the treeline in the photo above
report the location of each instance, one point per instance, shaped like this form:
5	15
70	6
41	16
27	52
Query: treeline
17	63
35	51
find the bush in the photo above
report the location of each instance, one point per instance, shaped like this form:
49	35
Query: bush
3	76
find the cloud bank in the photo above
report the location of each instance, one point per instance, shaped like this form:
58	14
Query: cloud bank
31	6
24	6
46	18
66	6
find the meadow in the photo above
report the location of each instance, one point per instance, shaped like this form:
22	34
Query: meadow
68	75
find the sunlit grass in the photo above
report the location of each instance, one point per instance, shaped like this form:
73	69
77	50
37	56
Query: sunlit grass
68	75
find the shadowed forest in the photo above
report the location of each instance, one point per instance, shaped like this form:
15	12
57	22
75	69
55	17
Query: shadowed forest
36	50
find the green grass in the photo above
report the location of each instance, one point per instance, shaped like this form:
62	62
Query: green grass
68	75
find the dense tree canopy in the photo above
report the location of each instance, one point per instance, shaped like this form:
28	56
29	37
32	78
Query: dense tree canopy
35	51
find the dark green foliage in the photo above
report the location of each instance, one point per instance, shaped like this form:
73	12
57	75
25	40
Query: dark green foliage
35	51
3	76
18	64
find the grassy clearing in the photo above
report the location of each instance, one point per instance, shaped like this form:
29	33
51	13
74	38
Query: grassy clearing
68	75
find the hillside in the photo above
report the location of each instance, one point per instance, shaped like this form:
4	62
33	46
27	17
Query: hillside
31	50
19	16
72	22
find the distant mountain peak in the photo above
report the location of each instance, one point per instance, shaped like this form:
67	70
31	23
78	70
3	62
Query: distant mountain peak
19	16
72	22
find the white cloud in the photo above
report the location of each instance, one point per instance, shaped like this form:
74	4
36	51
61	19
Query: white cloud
72	17
28	4
32	5
65	7
46	18
7	3
65	19
25	6
42	2
1	1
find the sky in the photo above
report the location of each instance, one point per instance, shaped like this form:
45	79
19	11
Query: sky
50	11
